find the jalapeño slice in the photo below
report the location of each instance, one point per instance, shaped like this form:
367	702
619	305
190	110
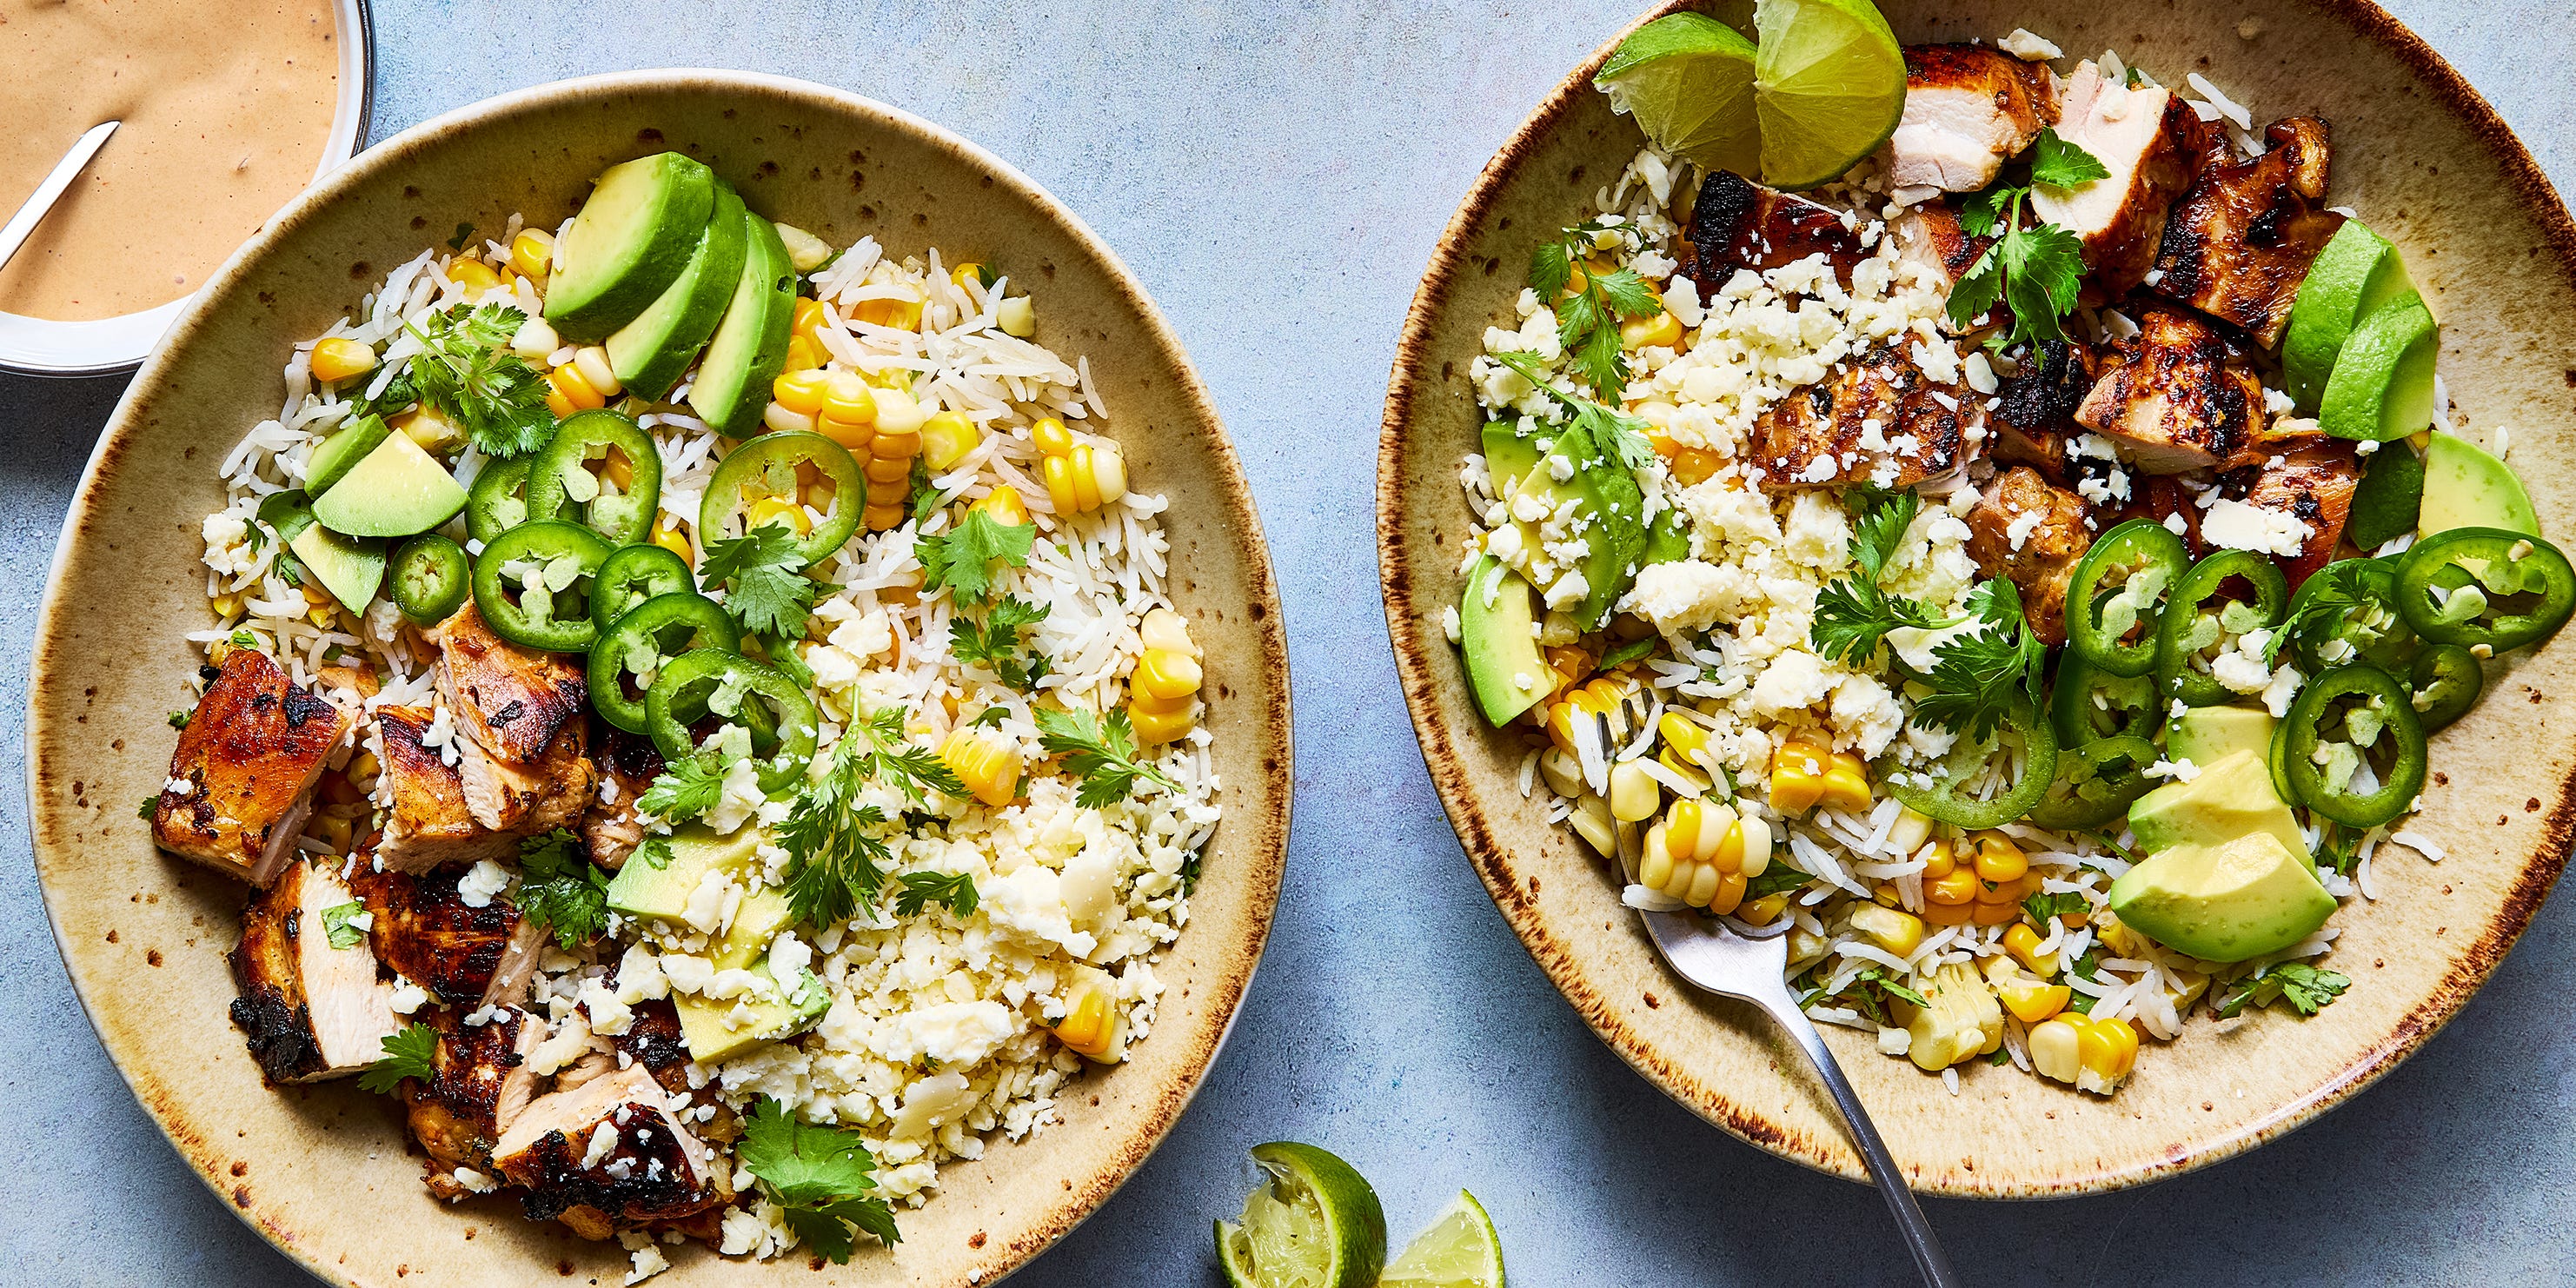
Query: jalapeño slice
498	500
618	500
2444	683
2205	617
777	468
2351	748
2473	586
631	653
2087	703
2118	592
2096	782
1947	791
632	574
533	583
431	578
721	687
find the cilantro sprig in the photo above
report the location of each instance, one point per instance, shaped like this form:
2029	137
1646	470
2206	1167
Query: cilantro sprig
2305	987
1987	677
1620	436
467	370
2034	269
919	890
962	557
834	857
995	643
763	576
2042	908
686	789
819	1177
1853	614
560	889
1869	992
1102	752
412	1053
1587	320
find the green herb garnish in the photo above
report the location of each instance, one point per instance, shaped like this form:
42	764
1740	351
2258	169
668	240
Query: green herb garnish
412	1053
962	558
467	370
819	1178
1587	321
1101	752
559	888
2034	269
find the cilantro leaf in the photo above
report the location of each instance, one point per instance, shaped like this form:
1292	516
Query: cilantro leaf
1551	269
151	806
411	1053
762	575
2042	266
961	558
464	234
466	369
988	718
653	852
2044	907
1627	294
179	719
685	789
1880	527
1977	289
1102	752
1779	878
1853	614
919	769
833	861
1618	435
1587	318
1869	992
336	928
921	889
1979	678
1984	212
2059	164
819	1175
2307	988
996	642
559	888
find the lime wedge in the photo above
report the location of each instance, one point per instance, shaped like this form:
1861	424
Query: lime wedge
1460	1250
1829	85
1688	80
1314	1224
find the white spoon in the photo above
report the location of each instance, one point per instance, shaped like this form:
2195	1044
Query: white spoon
14	233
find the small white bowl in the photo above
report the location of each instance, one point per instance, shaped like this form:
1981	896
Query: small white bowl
105	346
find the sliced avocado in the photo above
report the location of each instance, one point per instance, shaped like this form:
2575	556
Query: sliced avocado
2388	499
649	353
2465	487
1667	539
750	344
1504	668
2240	898
632	239
1508	455
709	1025
351	568
642	890
2356	273
2382	386
2207	735
756	922
398	490
2228	798
341	452
1609	514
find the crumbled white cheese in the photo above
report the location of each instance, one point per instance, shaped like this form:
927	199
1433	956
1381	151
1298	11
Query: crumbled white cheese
2029	47
603	1142
480	882
2235	525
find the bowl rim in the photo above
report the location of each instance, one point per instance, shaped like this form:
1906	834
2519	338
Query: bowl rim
1417	672
49	347
1260	854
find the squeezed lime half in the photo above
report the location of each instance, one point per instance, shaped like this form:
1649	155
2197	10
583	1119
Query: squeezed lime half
1313	1223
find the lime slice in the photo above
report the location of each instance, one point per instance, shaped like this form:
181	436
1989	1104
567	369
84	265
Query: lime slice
1460	1250
1688	80
1315	1224
1829	85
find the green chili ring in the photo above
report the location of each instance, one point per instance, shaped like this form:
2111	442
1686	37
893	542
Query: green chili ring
1942	800
2174	676
2127	705
2459	561
2382	638
633	574
431	578
2443	684
561	627
620	518
682	695
498	500
2142	548
767	466
2095	783
2297	747
672	625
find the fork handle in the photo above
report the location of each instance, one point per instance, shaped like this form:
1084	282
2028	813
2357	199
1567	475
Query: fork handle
1919	1238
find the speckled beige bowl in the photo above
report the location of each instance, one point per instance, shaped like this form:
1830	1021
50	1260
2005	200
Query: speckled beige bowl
2426	161
323	1171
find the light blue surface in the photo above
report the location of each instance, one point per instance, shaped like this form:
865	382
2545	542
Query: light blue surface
1277	174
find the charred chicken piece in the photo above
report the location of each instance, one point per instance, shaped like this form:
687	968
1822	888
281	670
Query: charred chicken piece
2034	414
428	823
310	1010
464	956
2152	143
1738	224
522	761
2242	240
2179	395
2312	479
627	764
1879	420
1968	109
2033	533
608	1155
538	796
480	1086
251	755
1931	237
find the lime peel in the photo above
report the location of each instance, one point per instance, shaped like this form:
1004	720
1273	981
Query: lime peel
1459	1250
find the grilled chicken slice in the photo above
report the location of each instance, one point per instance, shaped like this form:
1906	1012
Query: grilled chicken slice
2152	143
427	823
627	765
608	1155
480	1084
513	702
1968	109
311	1010
2032	532
2312	480
538	796
1737	224
250	756
2242	240
2034	413
464	956
1930	237
1879	420
2178	396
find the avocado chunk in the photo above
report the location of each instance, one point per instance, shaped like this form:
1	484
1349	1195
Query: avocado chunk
351	568
1609	519
1667	539
1504	668
2388	499
338	454
2382	386
2241	898
649	353
756	922
397	491
2228	798
721	1028
642	890
2465	487
2207	735
750	346
2357	272
1508	455
631	240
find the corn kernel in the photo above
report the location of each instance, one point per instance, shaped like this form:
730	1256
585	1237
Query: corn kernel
228	604
780	510
1999	860
1092	1026
596	371
1163	629
1797	777
902	314
1909	833
946	438
1959	886
2031	1001
1165	674
970	271
474	275
804	354
1762	911
1017	316
1053	439
667	534
2095	1055
990	770
340	357
532	252
778	419
2023	943
332	830
807	392
808	317
1634	794
431	431
1993	914
1003	504
1662	331
1897	932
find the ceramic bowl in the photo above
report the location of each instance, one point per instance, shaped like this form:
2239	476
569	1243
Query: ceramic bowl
323	1171
2428	163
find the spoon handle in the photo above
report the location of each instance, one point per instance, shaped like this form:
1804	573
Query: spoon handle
1919	1238
14	233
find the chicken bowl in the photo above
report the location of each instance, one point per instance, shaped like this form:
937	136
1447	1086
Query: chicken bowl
694	724
2012	569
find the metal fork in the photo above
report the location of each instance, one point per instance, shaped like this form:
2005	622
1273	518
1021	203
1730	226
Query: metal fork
1707	954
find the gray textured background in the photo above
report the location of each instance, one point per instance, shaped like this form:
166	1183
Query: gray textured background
1276	173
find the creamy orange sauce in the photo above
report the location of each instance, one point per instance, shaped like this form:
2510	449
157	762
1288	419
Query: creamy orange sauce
227	105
